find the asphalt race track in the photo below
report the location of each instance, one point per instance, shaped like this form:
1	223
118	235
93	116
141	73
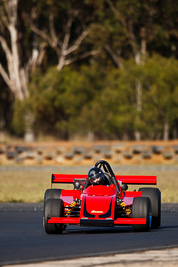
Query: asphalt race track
22	237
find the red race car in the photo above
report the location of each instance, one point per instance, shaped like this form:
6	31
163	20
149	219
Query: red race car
102	198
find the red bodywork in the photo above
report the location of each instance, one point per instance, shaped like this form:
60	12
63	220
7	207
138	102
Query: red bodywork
97	204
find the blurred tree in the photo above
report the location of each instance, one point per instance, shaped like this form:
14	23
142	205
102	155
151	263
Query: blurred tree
64	27
109	114
25	50
19	59
135	94
103	100
136	29
19	62
6	100
160	79
61	97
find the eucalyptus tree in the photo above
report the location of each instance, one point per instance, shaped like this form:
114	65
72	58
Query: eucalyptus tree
136	29
18	63
64	27
27	30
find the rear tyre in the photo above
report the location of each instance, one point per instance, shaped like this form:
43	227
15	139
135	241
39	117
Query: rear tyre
141	208
53	208
154	195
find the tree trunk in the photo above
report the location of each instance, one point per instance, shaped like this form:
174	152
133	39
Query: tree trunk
15	76
166	131
29	133
138	87
140	59
91	136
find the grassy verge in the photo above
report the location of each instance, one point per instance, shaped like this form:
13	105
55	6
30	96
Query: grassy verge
21	186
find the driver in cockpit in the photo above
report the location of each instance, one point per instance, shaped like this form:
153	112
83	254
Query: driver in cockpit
96	177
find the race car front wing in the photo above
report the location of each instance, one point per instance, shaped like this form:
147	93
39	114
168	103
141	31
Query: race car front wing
94	222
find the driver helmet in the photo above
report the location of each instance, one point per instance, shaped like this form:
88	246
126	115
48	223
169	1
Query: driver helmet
96	176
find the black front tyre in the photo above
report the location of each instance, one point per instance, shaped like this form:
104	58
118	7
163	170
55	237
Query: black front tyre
53	208
51	193
141	208
154	195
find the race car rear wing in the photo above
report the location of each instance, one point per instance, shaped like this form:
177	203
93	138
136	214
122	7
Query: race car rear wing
126	179
67	178
137	179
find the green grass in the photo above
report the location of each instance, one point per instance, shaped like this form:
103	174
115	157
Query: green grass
20	186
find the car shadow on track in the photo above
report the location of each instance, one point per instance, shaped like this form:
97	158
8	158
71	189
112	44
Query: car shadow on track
168	227
98	230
